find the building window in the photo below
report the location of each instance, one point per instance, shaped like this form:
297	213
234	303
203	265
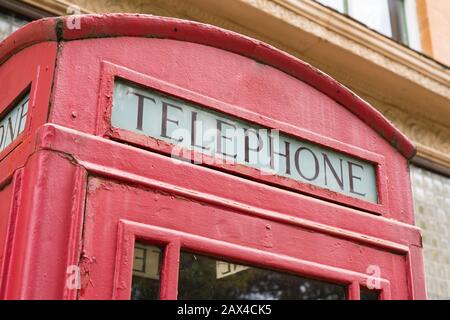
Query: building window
432	212
10	22
396	19
15	14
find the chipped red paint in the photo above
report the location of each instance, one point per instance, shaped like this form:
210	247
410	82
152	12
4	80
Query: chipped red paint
79	192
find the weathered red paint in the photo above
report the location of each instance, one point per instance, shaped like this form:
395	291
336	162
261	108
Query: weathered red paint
76	194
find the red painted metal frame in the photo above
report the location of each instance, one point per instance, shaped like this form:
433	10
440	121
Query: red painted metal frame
173	241
30	69
44	235
291	208
71	150
369	231
112	72
11	218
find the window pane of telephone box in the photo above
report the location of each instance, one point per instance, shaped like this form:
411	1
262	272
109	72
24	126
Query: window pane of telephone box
206	278
366	294
146	272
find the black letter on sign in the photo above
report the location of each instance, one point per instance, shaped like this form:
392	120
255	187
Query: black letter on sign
193	131
297	164
351	177
140	115
286	155
327	162
221	136
22	115
247	144
165	120
12	131
2	127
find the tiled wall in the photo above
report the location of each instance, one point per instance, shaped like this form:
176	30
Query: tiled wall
432	210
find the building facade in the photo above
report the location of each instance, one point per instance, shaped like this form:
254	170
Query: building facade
394	54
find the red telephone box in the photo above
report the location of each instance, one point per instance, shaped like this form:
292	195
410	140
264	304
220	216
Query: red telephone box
148	157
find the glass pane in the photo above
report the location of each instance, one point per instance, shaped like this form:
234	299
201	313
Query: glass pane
367	294
9	22
412	24
374	14
146	272
206	278
335	4
398	20
13	123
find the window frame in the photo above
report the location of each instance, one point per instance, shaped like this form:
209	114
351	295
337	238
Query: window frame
173	242
112	72
403	21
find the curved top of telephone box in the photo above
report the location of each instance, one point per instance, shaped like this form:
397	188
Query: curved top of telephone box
148	26
69	66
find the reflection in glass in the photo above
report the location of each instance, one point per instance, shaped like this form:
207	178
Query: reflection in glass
366	294
205	278
338	5
374	14
9	22
146	272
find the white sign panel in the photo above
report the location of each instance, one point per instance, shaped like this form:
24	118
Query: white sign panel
13	123
227	139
